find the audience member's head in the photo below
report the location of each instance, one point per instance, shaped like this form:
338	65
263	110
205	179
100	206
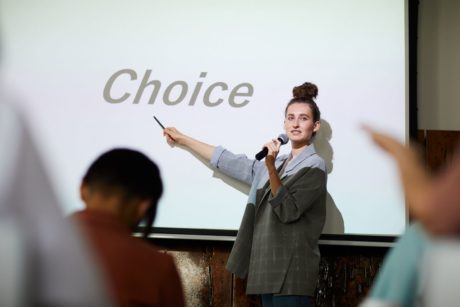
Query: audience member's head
124	183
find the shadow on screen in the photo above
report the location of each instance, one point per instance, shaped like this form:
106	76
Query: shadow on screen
334	221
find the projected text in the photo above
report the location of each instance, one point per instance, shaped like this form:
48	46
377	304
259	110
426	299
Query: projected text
177	92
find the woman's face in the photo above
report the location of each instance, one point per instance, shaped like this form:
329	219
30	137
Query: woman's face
299	124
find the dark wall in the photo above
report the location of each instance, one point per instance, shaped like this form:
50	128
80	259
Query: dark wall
346	274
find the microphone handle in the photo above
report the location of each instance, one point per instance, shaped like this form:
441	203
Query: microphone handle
262	154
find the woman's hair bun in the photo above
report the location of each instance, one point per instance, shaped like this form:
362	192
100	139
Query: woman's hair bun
307	90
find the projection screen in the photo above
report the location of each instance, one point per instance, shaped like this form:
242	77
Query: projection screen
92	74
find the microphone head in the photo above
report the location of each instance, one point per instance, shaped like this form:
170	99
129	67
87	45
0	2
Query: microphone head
283	138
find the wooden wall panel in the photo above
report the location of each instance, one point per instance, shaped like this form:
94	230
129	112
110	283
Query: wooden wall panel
439	147
193	270
346	274
222	280
239	295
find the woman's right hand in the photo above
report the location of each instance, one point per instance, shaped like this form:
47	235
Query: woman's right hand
173	136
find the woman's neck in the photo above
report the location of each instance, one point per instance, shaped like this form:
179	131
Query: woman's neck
297	148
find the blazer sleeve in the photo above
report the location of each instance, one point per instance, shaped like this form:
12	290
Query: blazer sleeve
293	200
236	166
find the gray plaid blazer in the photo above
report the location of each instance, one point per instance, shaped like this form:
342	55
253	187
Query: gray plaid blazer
277	243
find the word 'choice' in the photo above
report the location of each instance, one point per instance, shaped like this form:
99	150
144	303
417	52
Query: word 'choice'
175	93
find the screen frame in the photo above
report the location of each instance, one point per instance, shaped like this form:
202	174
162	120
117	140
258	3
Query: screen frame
411	11
210	235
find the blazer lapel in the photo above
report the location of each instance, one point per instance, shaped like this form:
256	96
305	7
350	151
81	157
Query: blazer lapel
307	152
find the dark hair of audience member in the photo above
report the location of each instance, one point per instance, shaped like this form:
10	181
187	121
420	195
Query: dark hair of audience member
131	175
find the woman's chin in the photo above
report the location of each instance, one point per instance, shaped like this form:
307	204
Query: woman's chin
299	142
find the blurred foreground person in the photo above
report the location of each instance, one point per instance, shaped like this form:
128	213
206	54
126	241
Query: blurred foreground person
422	268
434	201
121	188
43	261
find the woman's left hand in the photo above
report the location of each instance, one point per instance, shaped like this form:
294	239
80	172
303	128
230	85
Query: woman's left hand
273	150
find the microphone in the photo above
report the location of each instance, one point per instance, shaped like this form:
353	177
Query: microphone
283	138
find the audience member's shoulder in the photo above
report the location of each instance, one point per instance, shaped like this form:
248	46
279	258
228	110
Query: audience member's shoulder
162	262
153	251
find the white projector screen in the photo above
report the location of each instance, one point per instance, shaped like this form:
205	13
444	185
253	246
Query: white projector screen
91	75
